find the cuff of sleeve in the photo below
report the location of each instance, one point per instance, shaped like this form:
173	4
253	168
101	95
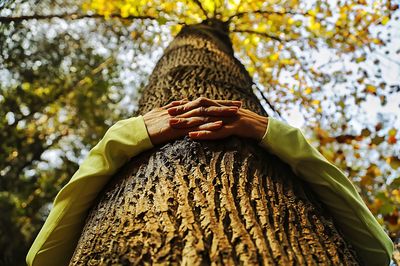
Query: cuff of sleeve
138	132
266	131
147	144
271	132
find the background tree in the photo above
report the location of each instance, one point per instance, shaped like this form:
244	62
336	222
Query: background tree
325	61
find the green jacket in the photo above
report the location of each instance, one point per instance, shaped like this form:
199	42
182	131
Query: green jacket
58	237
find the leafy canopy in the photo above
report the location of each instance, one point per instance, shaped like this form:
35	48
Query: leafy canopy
69	69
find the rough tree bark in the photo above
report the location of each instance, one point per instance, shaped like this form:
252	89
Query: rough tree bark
216	202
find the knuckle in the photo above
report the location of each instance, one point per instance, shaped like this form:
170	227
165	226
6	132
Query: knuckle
203	100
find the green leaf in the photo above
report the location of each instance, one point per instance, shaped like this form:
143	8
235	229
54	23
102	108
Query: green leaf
162	20
377	140
360	59
365	132
386	208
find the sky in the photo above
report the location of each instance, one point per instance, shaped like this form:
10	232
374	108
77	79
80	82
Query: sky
390	64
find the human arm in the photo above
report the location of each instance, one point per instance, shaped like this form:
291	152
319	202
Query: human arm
56	240
333	189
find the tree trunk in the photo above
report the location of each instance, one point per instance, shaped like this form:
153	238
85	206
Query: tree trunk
212	202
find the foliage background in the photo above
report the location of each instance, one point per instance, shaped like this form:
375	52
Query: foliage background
70	69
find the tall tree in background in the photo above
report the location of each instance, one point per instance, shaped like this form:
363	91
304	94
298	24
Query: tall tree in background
225	202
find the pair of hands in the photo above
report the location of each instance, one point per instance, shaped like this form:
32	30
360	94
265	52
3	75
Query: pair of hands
203	119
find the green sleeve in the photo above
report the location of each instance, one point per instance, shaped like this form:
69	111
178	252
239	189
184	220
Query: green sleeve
58	237
333	188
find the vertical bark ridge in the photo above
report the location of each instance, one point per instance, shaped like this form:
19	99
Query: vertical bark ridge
262	208
241	240
275	212
252	222
192	235
200	203
221	250
292	215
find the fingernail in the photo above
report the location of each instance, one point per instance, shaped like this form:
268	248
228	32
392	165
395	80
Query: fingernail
172	110
173	121
193	134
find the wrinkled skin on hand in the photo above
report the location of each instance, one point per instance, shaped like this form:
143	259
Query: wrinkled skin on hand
203	115
243	123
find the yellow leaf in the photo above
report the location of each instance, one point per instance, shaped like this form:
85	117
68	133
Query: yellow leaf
287	61
315	102
25	86
396	195
308	90
385	20
312	12
168	7
392	132
251	70
209	5
314	26
298	23
377	41
175	29
42	91
125	11
255	40
274	56
370	88
360	59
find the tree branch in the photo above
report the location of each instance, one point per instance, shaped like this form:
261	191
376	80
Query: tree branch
254	85
71	16
263	34
268	12
198	3
268	102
